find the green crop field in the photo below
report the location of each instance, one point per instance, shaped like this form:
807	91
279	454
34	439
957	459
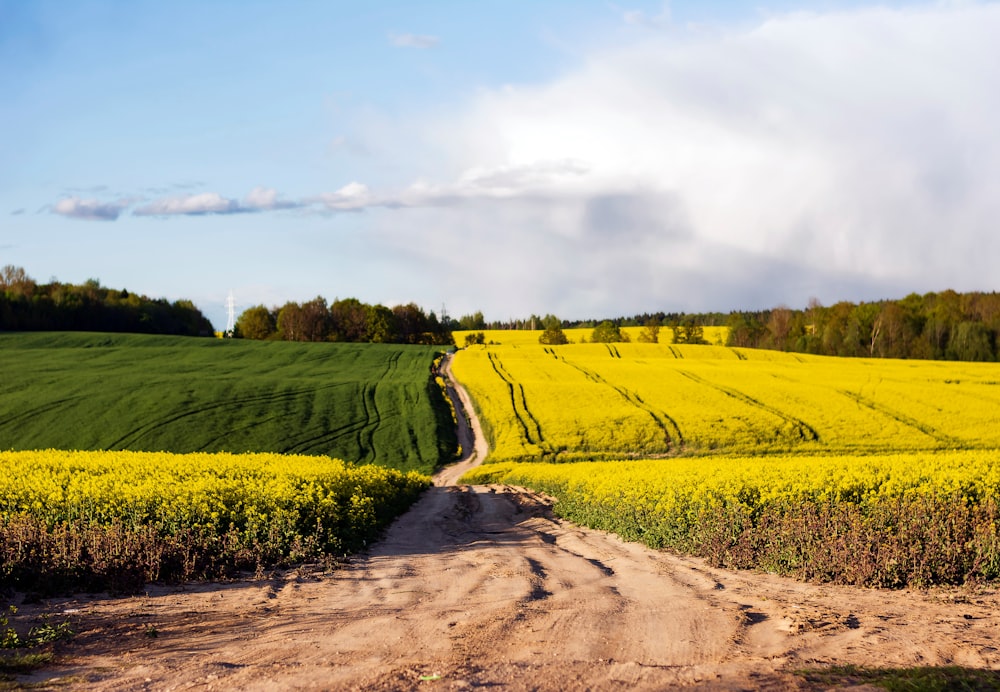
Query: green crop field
369	403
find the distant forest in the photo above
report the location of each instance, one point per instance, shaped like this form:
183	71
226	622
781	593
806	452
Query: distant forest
346	319
937	326
26	305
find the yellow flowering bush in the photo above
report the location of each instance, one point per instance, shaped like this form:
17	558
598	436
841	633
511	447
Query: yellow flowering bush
878	520
210	513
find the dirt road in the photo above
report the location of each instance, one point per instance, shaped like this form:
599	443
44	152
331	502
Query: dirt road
470	434
482	586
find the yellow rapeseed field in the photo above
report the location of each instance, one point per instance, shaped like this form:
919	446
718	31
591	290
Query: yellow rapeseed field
884	520
683	487
875	472
201	491
597	401
98	519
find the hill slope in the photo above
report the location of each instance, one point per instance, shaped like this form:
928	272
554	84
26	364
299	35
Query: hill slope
359	402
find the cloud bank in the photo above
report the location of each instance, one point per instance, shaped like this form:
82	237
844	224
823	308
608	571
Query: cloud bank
192	205
840	155
198	204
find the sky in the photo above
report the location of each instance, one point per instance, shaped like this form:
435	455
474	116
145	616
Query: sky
583	158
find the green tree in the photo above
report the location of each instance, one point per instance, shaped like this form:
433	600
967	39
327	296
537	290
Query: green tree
944	313
687	331
553	334
410	322
315	320
289	322
650	333
256	323
349	320
472	322
607	332
971	341
780	329
437	332
381	325
16	281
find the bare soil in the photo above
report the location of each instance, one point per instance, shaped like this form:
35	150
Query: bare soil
483	586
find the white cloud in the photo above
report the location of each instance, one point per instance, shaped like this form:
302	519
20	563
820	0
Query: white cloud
202	203
351	197
261	198
413	40
89	209
508	181
477	183
258	199
642	18
264	199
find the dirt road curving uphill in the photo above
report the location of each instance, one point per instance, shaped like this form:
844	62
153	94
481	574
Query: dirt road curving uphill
470	434
483	586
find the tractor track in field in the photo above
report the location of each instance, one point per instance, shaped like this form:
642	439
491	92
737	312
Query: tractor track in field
133	436
899	417
803	430
28	413
363	430
663	420
366	434
483	586
313	445
529	424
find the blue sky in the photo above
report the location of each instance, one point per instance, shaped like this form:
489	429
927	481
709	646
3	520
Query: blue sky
587	159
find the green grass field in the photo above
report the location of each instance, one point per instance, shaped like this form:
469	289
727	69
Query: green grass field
370	403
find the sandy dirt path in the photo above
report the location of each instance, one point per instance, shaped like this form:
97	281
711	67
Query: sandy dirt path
483	586
470	434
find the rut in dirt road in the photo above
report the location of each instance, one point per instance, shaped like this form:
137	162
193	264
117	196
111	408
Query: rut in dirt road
497	579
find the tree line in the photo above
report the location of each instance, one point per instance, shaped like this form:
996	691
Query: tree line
946	325
934	326
476	321
26	305
938	326
346	319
